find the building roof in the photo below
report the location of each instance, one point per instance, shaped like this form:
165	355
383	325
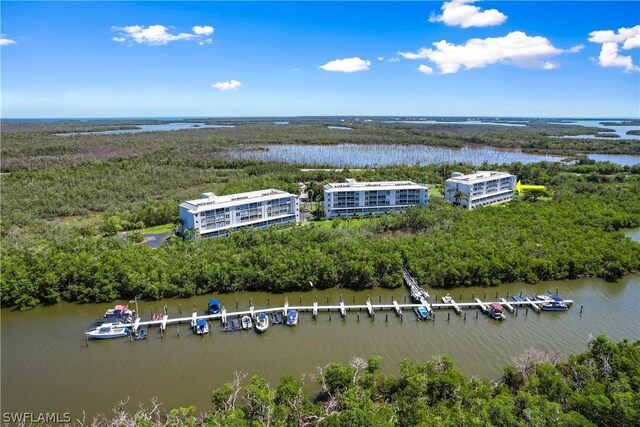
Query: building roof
352	184
479	176
210	201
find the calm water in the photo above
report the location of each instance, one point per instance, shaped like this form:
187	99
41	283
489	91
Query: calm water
358	155
46	366
151	128
466	122
619	130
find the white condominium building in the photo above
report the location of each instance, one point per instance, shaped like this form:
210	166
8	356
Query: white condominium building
479	189
211	215
353	198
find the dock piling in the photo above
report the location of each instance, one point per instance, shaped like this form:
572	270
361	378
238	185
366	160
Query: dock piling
300	300
250	302
516	312
358	317
556	291
178	329
379	299
180	309
386	317
448	316
526	311
473	295
581	307
465	315
497	295
477	311
327	300
507	294
236	303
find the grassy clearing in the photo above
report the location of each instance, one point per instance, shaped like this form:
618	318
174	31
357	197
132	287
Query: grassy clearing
158	229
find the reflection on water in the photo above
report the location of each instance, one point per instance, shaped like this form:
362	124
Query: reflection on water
359	155
46	366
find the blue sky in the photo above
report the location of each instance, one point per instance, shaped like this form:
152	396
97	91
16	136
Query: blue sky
81	59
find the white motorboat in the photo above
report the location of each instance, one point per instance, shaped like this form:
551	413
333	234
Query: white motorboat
108	330
292	318
447	299
246	322
262	322
201	327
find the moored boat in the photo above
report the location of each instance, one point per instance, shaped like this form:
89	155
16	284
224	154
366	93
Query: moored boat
214	306
262	322
246	322
447	299
422	312
119	313
495	311
201	327
292	318
554	303
107	331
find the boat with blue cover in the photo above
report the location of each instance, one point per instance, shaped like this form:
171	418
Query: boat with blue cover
422	312
214	306
202	327
292	318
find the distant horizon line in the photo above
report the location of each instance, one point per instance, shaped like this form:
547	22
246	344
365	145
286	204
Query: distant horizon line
312	116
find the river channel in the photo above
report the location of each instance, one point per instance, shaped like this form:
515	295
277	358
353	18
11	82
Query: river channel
47	366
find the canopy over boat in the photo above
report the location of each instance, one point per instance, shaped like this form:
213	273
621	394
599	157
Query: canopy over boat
201	322
214	302
556	298
495	306
120	307
262	316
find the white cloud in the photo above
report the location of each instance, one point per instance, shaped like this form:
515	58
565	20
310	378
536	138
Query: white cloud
346	65
5	41
159	35
425	69
516	48
230	85
610	52
203	30
207	41
462	13
380	58
394	59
